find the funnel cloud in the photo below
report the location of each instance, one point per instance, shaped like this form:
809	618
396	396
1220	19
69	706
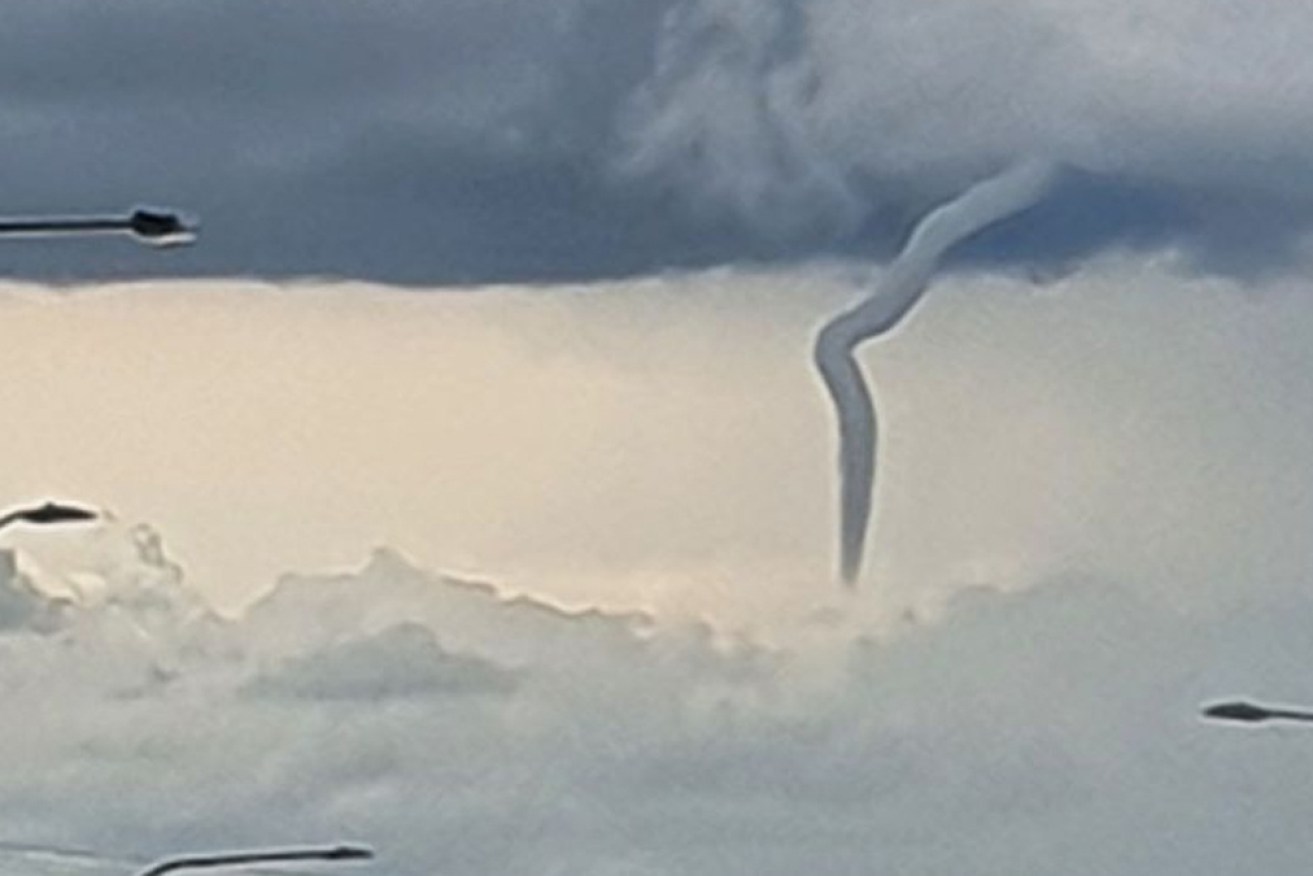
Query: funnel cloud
902	286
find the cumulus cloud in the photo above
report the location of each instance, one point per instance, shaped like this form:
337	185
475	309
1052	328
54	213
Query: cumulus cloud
1054	724
401	661
22	606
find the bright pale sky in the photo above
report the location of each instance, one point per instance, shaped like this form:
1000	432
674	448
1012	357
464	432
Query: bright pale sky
661	443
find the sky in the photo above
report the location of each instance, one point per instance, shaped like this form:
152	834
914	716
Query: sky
470	488
458	143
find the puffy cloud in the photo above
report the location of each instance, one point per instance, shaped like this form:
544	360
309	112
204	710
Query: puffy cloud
1054	723
22	605
402	661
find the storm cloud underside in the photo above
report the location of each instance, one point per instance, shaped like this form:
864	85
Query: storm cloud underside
452	142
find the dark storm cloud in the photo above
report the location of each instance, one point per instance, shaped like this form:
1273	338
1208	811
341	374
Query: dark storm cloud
402	141
461	141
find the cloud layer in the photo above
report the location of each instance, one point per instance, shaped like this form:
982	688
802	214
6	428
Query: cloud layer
458	142
461	729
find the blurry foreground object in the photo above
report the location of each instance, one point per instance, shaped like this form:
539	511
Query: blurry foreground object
49	513
1251	713
155	226
263	856
194	861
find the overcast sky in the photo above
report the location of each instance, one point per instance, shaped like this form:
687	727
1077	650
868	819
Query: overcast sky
471	491
458	142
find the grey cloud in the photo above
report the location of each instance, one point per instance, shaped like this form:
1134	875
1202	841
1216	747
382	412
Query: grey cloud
867	112
519	634
400	662
411	142
1056	724
22	606
457	142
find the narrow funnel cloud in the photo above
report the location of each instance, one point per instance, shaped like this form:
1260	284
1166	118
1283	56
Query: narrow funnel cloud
902	286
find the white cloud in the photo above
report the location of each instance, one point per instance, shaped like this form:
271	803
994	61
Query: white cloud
402	661
1052	725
